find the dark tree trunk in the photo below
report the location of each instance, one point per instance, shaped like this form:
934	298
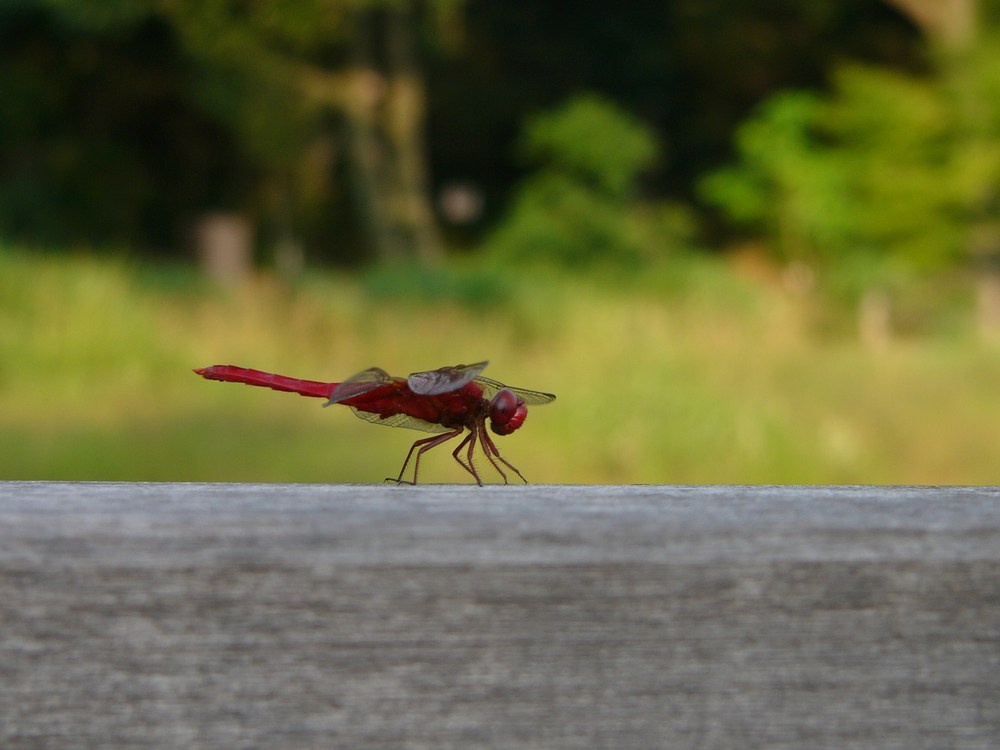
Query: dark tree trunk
385	113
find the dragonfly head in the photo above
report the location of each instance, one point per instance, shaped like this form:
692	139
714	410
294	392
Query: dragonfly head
507	412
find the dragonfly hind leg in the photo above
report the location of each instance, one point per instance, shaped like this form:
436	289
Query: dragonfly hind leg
420	446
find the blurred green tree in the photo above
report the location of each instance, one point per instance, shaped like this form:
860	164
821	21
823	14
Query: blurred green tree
890	173
127	115
317	75
581	206
301	83
99	141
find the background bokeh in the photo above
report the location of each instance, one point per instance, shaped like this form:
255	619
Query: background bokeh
742	242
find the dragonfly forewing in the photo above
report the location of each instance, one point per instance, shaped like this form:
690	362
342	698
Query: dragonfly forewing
492	387
444	379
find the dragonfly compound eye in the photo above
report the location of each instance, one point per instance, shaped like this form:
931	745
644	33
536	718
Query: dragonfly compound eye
507	412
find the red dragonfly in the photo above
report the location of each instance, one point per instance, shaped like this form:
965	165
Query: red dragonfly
449	400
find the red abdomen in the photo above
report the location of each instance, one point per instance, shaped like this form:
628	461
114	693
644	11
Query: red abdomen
233	374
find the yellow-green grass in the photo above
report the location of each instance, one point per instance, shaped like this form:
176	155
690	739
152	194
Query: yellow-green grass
709	379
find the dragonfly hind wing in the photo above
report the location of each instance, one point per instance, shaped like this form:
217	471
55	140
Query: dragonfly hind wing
400	420
357	385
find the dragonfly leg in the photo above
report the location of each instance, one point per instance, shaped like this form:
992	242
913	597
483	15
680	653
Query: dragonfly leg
491	450
468	465
424	444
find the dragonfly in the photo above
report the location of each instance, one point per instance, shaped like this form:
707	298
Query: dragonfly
447	401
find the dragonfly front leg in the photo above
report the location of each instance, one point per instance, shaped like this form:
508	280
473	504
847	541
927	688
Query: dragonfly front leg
422	445
491	450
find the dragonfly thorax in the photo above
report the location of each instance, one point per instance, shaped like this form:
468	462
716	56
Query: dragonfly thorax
507	412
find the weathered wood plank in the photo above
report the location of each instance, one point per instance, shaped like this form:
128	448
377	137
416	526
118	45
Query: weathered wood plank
302	616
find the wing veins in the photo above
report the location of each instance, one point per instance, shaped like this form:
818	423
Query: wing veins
400	420
492	387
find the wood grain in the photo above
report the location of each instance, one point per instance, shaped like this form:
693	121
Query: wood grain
306	616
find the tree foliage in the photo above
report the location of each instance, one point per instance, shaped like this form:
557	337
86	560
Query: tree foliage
897	171
124	119
318	100
99	139
580	208
593	141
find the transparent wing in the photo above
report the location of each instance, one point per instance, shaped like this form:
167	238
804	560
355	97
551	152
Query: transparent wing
445	379
364	382
491	387
401	420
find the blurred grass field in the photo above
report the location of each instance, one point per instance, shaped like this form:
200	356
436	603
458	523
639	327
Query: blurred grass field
694	374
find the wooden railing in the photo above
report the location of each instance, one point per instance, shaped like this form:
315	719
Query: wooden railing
306	616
